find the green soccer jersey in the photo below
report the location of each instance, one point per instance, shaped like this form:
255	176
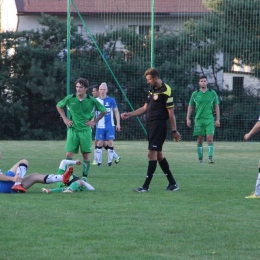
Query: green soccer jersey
204	103
81	111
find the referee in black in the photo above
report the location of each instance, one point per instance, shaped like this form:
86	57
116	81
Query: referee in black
158	109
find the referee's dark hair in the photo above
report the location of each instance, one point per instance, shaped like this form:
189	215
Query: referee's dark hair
152	72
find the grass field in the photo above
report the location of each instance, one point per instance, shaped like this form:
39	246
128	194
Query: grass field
208	218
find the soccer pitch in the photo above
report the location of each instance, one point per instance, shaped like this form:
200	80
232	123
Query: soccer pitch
208	218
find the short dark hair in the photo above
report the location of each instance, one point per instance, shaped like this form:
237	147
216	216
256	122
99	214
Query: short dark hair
202	77
152	72
82	82
96	87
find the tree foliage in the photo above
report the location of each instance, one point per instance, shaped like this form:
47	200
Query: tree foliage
235	29
231	30
33	78
33	69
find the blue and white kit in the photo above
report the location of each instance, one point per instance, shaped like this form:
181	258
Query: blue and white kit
105	128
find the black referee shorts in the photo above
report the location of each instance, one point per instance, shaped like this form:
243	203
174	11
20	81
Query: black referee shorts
157	132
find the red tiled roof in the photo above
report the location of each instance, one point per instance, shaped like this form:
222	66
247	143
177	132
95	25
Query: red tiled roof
111	6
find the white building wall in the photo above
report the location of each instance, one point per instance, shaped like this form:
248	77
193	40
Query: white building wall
98	24
29	22
251	83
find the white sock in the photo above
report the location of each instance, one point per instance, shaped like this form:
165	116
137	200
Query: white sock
51	178
95	155
257	186
21	171
110	155
64	163
99	155
88	186
115	155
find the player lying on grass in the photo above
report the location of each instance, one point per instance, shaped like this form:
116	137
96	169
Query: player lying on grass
74	184
14	180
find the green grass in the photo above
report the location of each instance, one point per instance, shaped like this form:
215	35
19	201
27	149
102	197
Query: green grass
208	218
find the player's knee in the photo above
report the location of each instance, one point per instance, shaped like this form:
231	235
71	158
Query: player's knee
210	139
69	155
24	161
200	139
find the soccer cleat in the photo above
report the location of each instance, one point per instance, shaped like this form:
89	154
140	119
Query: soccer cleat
44	190
200	160
67	191
66	175
94	162
141	189
117	160
18	188
109	164
172	187
253	196
211	160
99	164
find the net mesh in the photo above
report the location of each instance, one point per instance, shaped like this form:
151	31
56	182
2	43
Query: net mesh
115	41
186	39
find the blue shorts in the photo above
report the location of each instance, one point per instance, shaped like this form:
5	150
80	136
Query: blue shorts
105	134
5	186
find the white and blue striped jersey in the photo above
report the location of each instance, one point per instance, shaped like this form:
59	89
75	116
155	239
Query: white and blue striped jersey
108	120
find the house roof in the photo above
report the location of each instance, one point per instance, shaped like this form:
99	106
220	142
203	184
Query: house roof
111	6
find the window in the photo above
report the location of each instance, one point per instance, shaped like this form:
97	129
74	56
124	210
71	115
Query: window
144	29
238	85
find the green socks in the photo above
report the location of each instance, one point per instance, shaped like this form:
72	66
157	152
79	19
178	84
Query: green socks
85	168
200	151
74	186
56	190
211	150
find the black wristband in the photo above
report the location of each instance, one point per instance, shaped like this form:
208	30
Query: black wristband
174	131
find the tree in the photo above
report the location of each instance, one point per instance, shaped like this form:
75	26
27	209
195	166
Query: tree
230	30
32	80
33	67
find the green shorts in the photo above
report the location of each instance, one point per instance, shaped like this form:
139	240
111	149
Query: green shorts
204	127
76	139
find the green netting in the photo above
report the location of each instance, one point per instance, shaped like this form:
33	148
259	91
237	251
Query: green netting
183	40
115	41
